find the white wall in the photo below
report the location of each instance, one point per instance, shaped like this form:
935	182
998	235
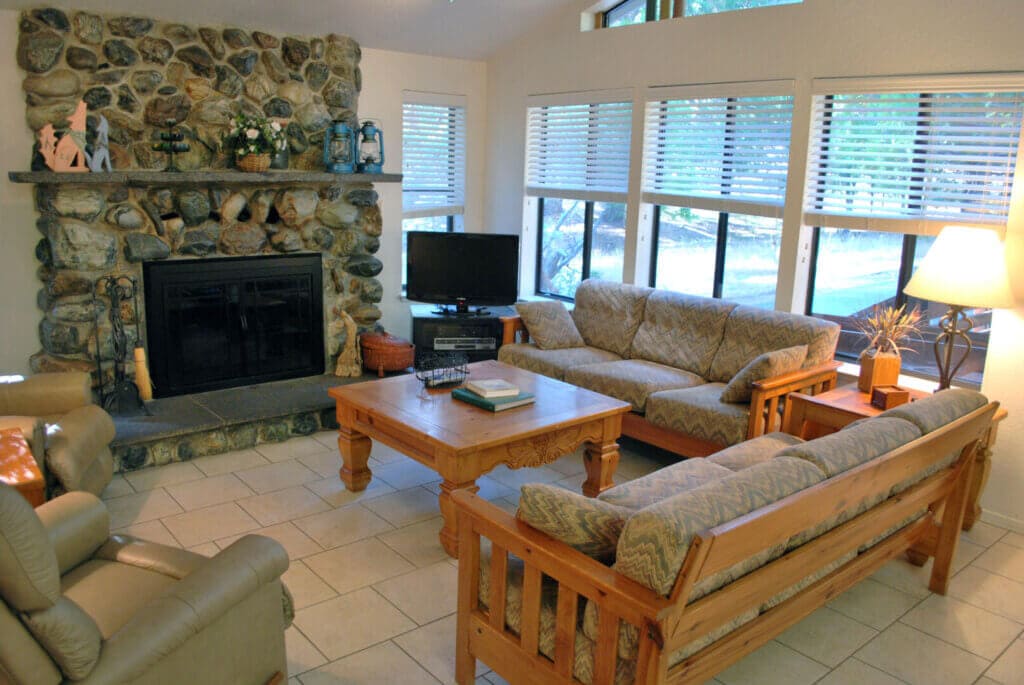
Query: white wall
816	39
18	235
385	75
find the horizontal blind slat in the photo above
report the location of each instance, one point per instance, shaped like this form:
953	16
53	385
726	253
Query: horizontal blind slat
433	158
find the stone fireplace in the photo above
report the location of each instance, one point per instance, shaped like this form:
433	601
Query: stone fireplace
141	73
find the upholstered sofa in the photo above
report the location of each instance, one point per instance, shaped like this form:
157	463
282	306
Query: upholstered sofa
676	575
701	373
69	435
81	605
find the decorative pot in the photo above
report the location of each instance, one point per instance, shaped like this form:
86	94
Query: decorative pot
384	352
878	369
256	163
281	159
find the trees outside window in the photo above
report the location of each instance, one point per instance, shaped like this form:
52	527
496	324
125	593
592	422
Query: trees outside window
578	240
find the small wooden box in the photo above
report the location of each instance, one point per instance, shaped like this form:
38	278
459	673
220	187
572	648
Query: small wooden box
888	396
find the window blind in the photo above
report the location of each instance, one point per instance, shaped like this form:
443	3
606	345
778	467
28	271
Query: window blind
433	160
726	154
912	162
579	151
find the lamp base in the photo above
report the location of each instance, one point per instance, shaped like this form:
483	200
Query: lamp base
954	325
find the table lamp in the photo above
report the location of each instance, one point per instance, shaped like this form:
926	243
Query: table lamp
964	268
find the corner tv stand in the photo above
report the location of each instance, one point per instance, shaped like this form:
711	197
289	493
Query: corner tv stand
476	333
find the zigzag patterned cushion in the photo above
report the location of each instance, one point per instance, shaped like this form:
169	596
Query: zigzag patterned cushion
655	540
750	452
767	365
939	409
589	525
552	363
680	330
607	314
630	380
846	449
549	325
700	412
664	483
751	331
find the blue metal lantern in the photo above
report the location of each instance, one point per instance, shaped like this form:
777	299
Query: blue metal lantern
340	148
371	149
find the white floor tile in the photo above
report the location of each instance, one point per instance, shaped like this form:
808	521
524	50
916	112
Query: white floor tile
333	491
152	531
921	659
827	636
424	595
419	543
968	627
357	565
433	646
342	526
198	494
378	621
278	476
854	672
984	534
1005	560
283	505
404	473
216	464
325	463
117	487
290	449
1009	667
302	655
382	663
141	507
773	664
306	587
158	476
294	541
873	604
989	591
206	525
405	506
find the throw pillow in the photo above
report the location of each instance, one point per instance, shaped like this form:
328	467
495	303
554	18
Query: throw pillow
550	325
584	523
774	363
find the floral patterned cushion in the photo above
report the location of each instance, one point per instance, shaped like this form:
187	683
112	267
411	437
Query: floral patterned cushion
751	331
590	525
767	365
552	363
550	325
750	452
700	412
630	380
680	330
664	483
607	314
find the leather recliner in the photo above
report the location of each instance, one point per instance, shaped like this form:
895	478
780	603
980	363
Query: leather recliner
69	435
81	605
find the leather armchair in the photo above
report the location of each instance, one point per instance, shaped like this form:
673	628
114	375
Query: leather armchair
82	605
69	435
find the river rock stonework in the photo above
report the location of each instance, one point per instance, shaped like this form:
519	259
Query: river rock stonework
139	73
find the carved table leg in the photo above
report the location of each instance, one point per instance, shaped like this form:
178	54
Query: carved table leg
450	532
355	451
600	461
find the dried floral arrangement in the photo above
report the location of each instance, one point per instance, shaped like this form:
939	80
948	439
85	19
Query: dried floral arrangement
888	328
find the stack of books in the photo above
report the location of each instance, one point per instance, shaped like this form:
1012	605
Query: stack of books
494	394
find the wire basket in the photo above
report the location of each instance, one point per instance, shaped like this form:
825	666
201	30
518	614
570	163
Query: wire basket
441	369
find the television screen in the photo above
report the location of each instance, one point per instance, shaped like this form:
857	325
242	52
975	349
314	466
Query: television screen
478	268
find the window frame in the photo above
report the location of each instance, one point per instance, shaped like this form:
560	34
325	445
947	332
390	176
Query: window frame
650	13
586	249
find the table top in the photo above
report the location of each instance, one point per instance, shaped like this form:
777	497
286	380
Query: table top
434	415
851	399
17	465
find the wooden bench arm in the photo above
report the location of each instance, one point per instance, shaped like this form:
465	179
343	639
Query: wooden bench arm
510	326
764	400
629	599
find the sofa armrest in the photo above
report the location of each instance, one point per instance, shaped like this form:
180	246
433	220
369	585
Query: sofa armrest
77	524
190	606
74	441
764	401
513	330
46	394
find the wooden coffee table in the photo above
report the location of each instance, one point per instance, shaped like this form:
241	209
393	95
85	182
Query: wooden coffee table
462	442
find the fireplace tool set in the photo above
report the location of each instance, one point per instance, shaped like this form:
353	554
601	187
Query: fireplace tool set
122	395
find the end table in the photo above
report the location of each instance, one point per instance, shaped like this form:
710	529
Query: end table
811	417
18	467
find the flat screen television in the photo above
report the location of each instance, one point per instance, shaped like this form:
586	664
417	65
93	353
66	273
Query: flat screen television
462	269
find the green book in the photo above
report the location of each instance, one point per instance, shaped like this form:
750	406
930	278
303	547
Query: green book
493	404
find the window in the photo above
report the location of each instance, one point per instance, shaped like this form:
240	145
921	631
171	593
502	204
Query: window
715	169
433	164
631	12
578	167
887	171
695	7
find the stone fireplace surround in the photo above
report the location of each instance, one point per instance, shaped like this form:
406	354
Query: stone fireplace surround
139	73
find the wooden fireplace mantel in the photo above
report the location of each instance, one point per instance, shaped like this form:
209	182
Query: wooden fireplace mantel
145	179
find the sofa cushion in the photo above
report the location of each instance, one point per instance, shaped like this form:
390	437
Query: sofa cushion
630	380
751	452
680	330
939	409
553	363
655	540
589	525
89	587
846	449
751	331
664	483
69	635
550	325
700	412
767	365
607	314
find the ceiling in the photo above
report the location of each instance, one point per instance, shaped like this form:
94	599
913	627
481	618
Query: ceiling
468	29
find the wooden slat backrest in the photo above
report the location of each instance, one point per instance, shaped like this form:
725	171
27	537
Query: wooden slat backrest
745	536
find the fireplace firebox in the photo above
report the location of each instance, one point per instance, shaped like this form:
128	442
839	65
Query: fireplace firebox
226	322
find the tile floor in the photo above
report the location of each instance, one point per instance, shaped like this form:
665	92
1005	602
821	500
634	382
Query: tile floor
375	593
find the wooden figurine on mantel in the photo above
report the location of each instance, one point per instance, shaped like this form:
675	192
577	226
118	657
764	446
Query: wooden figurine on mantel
66	153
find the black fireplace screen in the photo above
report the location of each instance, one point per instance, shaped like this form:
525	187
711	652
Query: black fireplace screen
220	323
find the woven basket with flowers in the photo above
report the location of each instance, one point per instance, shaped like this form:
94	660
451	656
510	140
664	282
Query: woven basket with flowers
253	141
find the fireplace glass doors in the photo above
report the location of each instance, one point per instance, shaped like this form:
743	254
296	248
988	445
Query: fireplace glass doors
219	323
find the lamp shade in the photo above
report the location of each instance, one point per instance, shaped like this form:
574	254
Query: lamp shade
964	267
